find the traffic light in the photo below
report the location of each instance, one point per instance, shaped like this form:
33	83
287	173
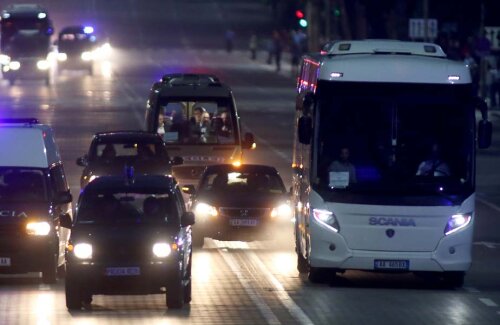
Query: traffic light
301	17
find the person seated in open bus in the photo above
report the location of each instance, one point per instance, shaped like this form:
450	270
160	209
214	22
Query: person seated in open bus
199	125
434	165
342	172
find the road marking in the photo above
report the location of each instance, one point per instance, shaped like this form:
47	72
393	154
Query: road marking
488	302
471	290
487	244
488	204
285	299
264	309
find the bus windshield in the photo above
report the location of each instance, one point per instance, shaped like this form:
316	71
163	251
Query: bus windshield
208	122
375	138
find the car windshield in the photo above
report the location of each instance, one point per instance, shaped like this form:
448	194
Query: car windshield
137	208
235	182
137	151
197	122
22	184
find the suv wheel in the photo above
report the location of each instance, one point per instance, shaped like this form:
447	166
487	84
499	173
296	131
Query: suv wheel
175	292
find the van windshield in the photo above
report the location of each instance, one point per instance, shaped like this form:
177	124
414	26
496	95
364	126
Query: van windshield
208	122
120	207
22	184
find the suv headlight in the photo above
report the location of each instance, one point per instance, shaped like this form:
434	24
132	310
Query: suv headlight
327	218
38	228
204	210
161	250
457	222
83	251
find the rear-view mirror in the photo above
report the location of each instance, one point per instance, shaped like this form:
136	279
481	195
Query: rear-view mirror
187	219
82	161
248	141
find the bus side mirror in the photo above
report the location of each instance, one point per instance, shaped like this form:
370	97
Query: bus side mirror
305	129
187	219
248	141
82	161
484	134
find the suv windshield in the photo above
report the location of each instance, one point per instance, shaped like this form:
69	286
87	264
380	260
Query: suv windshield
120	207
22	184
126	151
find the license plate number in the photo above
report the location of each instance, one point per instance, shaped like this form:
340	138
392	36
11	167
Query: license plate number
4	261
243	222
392	265
123	271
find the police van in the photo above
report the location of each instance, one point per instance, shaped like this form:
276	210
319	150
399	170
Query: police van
34	195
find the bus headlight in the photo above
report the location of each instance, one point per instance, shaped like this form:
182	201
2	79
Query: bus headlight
14	65
161	250
86	56
204	210
38	228
457	222
327	218
283	211
43	65
83	251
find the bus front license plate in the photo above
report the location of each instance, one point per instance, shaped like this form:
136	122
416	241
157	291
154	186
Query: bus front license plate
243	222
123	271
402	265
4	261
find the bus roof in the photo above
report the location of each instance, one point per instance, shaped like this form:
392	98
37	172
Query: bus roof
389	61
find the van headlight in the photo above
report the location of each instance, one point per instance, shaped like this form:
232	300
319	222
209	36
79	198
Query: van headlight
38	228
83	251
283	211
204	210
327	218
457	222
43	65
14	65
161	250
4	59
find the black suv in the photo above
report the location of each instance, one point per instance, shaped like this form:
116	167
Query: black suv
131	235
110	152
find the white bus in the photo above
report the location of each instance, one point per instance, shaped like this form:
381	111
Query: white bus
384	161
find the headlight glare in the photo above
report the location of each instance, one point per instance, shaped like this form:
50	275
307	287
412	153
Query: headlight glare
4	59
86	56
283	211
327	218
161	250
457	222
91	178
39	228
83	251
15	65
62	57
205	210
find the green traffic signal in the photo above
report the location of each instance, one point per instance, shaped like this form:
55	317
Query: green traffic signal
303	23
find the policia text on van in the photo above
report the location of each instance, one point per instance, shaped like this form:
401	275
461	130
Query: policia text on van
33	196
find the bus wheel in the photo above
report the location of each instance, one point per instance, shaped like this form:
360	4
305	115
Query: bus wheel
453	280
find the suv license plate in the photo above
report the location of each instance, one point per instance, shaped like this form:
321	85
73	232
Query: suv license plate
123	271
243	222
403	265
4	261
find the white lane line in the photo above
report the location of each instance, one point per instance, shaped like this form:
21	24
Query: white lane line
264	309
487	244
488	204
488	302
284	297
471	290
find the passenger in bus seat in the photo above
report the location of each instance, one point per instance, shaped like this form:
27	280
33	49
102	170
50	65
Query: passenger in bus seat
343	164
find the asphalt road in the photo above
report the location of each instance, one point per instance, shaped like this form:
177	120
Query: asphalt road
233	282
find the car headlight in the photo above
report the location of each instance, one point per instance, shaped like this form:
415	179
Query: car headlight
457	222
283	211
62	57
43	65
4	59
83	251
38	228
161	250
204	210
15	65
86	56
327	218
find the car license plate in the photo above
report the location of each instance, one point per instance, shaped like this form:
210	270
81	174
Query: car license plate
392	265
123	271
4	261
243	222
